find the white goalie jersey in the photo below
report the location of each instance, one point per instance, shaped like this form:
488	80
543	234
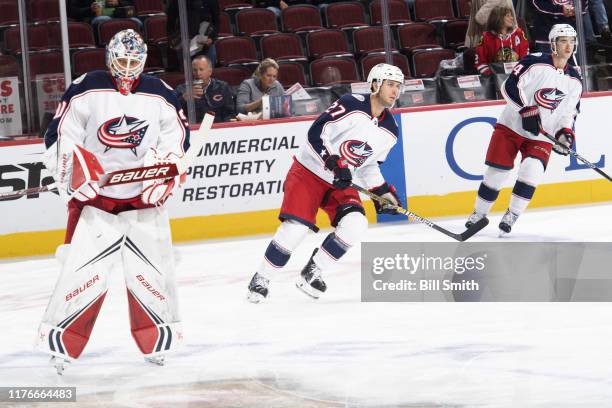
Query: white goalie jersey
118	129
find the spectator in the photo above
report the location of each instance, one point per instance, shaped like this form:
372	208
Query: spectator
502	42
549	13
598	10
198	11
263	83
209	94
479	16
96	12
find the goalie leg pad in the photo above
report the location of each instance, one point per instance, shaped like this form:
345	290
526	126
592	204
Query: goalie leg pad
148	264
82	285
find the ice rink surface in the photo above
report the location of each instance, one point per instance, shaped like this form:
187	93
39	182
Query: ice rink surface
293	351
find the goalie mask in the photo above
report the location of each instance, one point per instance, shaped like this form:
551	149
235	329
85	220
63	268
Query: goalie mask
126	54
561	30
382	71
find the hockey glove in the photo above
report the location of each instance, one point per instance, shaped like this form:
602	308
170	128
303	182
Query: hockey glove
83	175
156	192
342	174
531	119
565	137
387	191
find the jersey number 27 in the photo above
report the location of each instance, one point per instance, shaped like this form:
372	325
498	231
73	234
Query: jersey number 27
335	110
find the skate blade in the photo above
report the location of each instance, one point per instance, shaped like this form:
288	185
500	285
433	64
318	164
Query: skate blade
159	360
255	297
59	364
305	287
503	234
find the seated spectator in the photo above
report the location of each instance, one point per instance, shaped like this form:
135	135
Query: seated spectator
479	16
209	94
96	12
503	42
551	12
263	83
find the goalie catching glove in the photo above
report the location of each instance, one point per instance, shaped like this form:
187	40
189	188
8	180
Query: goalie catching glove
388	192
565	137
156	192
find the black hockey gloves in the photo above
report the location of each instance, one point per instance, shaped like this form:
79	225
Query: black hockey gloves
565	137
531	119
342	174
386	191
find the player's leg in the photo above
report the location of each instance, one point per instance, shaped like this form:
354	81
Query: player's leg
82	285
303	193
348	216
148	265
535	159
503	148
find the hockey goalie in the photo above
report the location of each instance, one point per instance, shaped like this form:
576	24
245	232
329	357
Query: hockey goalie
113	120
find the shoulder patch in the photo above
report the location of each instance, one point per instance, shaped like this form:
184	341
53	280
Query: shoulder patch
359	97
79	79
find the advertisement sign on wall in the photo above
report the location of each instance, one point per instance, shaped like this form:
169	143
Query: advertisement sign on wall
10	107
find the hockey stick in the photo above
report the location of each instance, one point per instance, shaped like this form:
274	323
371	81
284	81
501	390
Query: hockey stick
576	155
134	175
467	234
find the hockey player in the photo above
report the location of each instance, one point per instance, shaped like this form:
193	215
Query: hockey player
112	120
352	137
543	92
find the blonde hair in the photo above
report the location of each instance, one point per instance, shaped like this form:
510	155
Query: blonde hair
263	67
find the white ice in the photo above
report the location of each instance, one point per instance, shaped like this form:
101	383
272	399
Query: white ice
293	351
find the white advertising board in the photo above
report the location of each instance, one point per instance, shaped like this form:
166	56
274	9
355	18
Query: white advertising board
10	107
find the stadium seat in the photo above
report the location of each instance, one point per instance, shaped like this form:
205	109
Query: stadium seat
234	5
232	75
282	46
426	62
327	71
417	35
9	14
155	29
145	8
299	18
398	12
38	39
84	61
453	33
225	25
369	39
173	79
49	62
236	50
399	61
463	8
433	9
326	43
154	62
107	29
9	66
80	35
291	72
44	10
345	15
256	22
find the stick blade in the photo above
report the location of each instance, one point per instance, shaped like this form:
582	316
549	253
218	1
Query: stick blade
480	224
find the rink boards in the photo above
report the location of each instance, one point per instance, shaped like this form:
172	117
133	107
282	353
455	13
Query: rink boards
235	186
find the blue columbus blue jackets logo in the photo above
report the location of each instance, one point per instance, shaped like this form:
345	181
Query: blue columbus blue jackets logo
549	98
355	152
125	132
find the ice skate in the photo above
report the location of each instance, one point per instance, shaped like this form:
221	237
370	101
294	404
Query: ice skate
258	288
310	280
157	360
506	223
59	363
473	219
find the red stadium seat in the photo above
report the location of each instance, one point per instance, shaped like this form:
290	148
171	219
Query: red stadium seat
291	72
282	46
44	10
236	50
39	39
9	14
426	62
301	17
107	29
433	9
369	39
232	5
398	12
345	15
154	62
46	63
8	66
399	61
84	61
80	35
327	71
417	35
225	25
232	75
173	79
256	21
326	43
453	33
148	7
155	29
463	8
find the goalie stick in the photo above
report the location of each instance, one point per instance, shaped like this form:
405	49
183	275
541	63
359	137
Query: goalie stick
467	234
574	154
159	171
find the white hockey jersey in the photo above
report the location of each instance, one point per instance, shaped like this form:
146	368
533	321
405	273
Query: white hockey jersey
536	81
118	129
347	129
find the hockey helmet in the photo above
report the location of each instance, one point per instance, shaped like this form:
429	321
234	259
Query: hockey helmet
126	54
561	30
382	71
